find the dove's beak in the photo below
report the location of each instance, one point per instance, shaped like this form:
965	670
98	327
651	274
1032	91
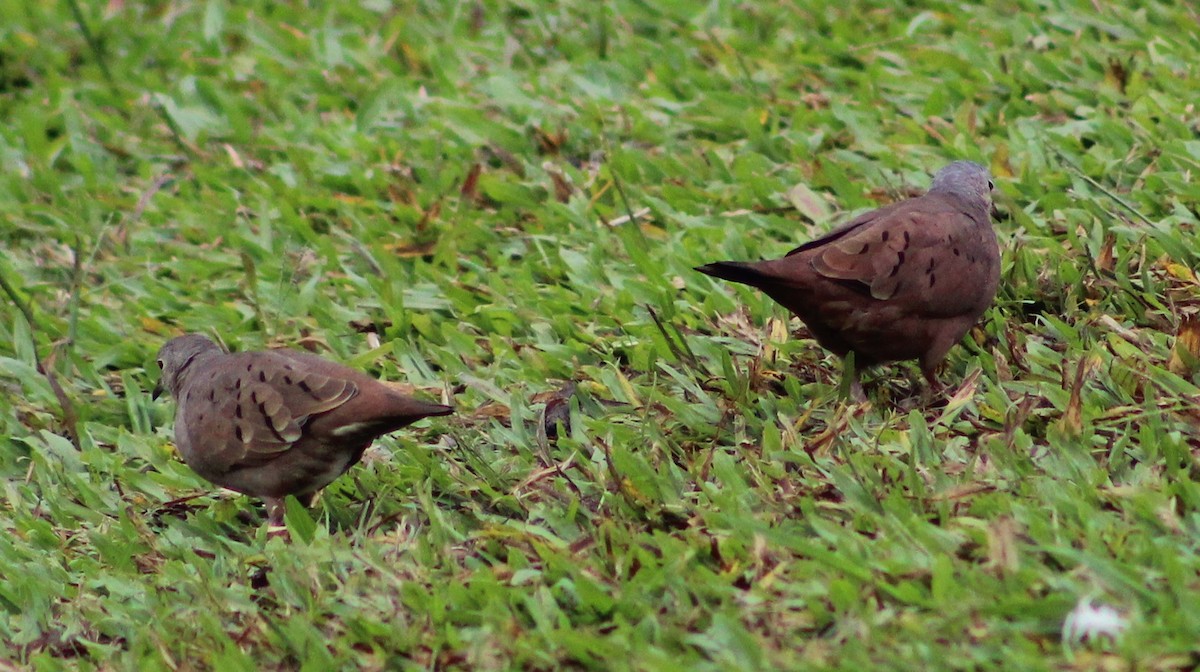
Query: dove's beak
158	390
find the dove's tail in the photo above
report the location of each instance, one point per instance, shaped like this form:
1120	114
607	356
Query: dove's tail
736	271
411	410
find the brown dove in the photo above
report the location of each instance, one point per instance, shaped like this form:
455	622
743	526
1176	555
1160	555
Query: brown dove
277	422
905	281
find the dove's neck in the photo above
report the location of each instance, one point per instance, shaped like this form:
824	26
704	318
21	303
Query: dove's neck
193	364
978	209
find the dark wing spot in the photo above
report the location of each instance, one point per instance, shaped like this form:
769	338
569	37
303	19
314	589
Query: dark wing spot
906	239
249	367
304	386
212	396
237	431
287	379
271	424
957	253
238	412
895	270
900	259
262	376
238	384
885	235
864	249
930	269
932	279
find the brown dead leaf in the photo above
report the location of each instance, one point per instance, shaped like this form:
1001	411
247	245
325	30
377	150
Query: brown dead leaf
411	249
549	142
1117	73
1003	555
402	194
557	409
470	187
815	101
1185	354
1105	260
310	343
430	214
506	158
493	409
1072	419
562	187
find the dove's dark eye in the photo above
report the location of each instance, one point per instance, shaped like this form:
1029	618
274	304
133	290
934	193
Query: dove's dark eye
160	364
990	185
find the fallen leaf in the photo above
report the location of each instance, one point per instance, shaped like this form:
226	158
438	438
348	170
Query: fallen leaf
808	203
493	409
549	142
1003	557
1105	260
1185	354
562	186
412	249
470	187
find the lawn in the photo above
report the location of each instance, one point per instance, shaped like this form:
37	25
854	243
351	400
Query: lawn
500	204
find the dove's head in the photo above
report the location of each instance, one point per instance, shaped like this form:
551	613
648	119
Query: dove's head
174	358
967	180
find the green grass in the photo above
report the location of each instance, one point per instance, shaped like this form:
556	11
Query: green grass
508	195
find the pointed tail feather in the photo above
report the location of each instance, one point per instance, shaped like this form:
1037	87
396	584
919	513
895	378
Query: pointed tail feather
735	271
422	409
402	413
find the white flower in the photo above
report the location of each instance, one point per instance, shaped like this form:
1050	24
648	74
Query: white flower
1089	621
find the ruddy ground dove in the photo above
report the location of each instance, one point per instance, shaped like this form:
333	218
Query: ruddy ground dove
278	422
905	281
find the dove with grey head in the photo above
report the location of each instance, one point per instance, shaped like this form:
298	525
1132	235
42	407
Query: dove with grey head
277	422
906	281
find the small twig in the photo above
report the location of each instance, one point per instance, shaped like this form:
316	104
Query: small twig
363	252
681	350
1120	201
624	199
122	232
69	417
